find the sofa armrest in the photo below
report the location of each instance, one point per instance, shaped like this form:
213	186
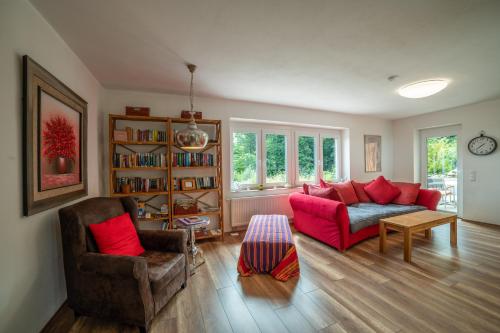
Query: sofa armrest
428	198
112	265
327	209
164	240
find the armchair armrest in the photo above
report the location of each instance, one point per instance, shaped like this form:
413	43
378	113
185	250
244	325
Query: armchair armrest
164	240
113	266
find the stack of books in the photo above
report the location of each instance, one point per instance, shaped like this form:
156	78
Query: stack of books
192	221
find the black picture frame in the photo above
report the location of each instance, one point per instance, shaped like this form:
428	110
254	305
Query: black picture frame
37	81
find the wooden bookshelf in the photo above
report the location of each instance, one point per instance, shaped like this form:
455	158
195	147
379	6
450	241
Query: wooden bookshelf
170	171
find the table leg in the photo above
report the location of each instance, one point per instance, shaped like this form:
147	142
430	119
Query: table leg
383	236
428	233
407	245
453	232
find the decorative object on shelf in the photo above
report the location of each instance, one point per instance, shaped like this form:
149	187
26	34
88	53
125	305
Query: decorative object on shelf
55	147
185	206
373	153
188	184
141	209
164	209
191	137
137	111
187	115
120	135
125	188
482	145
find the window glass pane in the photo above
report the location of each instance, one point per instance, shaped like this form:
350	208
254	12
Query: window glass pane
276	168
306	151
329	159
244	158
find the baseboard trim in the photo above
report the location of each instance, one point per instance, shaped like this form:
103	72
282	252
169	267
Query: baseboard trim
481	223
61	321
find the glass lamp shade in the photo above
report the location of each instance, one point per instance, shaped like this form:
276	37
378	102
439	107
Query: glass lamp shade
191	137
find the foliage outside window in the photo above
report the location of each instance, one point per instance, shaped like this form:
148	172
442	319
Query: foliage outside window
244	158
276	158
307	158
442	156
329	159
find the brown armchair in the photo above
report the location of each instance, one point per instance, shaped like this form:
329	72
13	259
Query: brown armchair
127	289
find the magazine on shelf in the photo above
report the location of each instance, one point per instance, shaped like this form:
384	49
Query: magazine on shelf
193	221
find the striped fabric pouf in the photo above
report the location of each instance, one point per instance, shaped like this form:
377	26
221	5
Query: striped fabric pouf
268	248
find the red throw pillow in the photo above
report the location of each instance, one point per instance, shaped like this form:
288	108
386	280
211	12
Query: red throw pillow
345	190
326	193
381	191
305	188
409	193
117	236
360	191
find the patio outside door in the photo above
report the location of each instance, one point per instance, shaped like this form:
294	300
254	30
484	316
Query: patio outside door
441	165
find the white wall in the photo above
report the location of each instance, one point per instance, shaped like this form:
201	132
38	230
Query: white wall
480	198
114	101
32	285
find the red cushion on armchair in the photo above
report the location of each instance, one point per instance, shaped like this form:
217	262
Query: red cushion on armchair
117	236
382	191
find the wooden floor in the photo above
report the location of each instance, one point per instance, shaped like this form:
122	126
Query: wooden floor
443	290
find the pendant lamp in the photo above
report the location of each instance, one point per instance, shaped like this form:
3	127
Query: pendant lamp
191	137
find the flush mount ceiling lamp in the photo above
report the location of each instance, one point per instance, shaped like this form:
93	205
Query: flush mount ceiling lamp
423	88
191	137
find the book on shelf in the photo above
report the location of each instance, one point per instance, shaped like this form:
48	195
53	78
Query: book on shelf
202	183
150	135
192	159
139	184
138	160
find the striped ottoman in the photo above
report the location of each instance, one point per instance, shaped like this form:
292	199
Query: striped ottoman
268	248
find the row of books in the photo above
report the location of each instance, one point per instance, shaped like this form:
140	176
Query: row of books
151	135
192	159
195	183
135	160
139	184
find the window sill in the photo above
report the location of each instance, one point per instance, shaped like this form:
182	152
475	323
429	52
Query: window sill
264	192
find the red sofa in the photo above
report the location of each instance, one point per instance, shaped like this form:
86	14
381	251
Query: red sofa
328	220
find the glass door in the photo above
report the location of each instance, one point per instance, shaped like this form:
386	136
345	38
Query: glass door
440	164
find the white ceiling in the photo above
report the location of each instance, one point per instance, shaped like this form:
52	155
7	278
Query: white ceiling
331	55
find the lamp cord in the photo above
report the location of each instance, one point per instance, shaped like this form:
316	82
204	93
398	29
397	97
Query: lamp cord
191	95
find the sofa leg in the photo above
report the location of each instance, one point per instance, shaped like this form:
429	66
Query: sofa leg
183	286
143	329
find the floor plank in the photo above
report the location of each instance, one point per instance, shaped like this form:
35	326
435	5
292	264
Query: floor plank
443	290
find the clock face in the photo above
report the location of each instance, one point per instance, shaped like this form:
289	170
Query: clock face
482	145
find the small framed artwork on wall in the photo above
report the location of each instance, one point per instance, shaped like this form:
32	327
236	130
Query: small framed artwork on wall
55	136
373	153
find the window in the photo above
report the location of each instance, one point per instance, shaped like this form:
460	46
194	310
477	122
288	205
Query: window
306	154
276	160
265	155
329	158
244	158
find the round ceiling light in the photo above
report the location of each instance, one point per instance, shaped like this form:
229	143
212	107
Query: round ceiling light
423	89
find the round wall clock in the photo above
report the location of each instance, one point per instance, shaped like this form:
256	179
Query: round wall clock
482	145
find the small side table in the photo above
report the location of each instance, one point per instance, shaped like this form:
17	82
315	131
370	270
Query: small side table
193	248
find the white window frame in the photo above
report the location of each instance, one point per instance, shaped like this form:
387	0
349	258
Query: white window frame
292	134
316	157
288	161
258	136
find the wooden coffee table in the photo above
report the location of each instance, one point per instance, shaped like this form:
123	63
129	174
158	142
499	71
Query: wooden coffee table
415	222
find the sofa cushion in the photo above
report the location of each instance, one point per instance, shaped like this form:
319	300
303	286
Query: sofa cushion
163	267
359	188
345	191
409	193
382	191
363	215
117	236
326	193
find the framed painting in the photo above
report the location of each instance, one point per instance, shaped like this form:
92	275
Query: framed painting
373	153
55	137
